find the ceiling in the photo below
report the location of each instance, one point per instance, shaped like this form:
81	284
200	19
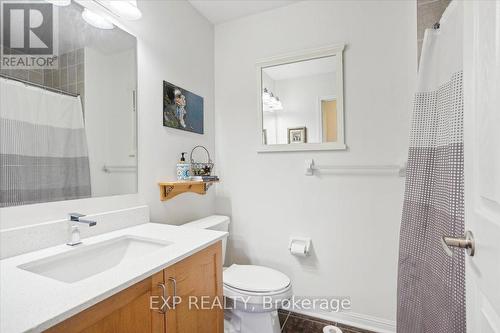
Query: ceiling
302	68
219	11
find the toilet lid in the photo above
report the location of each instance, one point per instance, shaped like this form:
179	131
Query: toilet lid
255	278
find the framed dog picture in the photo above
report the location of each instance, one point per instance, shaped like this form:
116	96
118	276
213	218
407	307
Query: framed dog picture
182	109
297	135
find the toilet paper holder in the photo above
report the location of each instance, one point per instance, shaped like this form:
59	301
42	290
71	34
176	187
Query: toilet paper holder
303	244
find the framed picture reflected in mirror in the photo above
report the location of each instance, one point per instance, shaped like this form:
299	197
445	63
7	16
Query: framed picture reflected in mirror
297	135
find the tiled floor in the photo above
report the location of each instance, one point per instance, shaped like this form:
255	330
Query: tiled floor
298	323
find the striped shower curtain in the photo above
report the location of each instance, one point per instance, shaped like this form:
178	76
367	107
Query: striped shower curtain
43	147
431	285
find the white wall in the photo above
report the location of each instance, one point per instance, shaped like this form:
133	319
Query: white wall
353	220
110	80
122	122
175	43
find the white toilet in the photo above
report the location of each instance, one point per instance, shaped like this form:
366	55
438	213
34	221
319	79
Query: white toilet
253	293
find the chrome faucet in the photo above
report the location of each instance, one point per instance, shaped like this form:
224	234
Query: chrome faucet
74	234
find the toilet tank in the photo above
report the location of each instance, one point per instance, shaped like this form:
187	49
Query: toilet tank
213	222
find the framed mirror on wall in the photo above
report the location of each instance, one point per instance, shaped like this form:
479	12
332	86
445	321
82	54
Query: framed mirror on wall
69	131
301	104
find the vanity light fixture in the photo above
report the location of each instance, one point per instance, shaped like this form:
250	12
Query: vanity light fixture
96	12
60	3
270	102
96	20
126	9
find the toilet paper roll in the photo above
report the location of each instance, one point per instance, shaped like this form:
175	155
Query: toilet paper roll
331	329
298	249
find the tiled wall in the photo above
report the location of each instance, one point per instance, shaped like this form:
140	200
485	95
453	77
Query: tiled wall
70	74
428	13
69	77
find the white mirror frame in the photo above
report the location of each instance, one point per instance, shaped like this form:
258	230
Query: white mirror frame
332	50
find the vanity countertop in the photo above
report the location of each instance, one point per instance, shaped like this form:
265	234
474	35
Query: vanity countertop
32	303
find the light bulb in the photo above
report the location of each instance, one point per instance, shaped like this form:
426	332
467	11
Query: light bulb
273	101
278	105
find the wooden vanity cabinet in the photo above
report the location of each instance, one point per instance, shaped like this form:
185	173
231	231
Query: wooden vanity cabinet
197	280
194	280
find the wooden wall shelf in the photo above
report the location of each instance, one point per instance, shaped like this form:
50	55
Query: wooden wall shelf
168	190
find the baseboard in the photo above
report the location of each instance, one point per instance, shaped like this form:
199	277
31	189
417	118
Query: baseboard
371	323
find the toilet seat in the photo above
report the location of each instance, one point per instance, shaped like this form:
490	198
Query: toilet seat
256	286
235	291
255	279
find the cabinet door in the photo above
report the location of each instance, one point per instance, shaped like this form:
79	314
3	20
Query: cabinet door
197	281
129	311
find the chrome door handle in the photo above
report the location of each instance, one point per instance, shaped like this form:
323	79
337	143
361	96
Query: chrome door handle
174	296
163	309
174	283
466	242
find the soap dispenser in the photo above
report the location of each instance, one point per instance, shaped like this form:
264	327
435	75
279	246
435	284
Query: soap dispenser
183	168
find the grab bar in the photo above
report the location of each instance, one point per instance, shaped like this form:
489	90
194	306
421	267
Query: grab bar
119	168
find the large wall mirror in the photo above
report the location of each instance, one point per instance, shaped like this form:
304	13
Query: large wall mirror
301	101
69	132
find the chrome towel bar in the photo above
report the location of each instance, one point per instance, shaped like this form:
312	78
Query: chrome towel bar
400	170
119	168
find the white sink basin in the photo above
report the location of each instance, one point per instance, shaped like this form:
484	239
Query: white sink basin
85	261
